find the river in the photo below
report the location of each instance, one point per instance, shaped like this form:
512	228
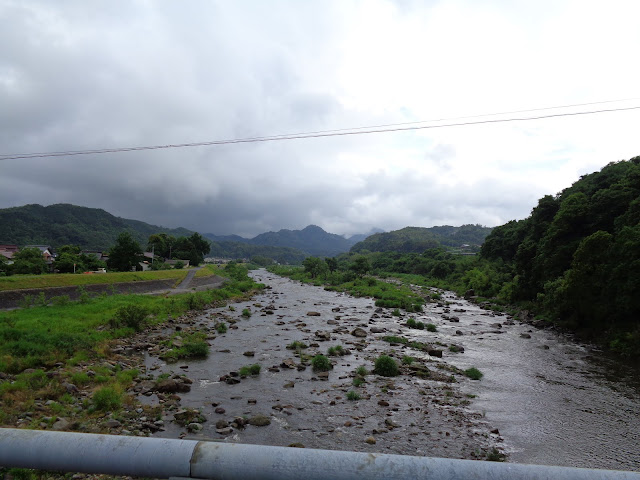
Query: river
556	402
542	400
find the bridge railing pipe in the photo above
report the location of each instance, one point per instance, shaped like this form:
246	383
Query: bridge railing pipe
169	458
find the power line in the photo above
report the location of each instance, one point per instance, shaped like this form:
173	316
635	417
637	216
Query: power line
327	133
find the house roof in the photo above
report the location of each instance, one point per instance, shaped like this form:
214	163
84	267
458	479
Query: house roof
42	248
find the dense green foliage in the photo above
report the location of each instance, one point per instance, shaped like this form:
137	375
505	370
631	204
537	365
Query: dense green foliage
386	366
574	261
320	363
70	259
418	239
192	248
64	224
125	254
28	260
577	257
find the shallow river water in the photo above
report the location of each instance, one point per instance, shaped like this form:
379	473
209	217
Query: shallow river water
552	401
555	402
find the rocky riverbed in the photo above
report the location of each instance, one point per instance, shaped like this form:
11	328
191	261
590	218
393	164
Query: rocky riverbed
543	398
426	410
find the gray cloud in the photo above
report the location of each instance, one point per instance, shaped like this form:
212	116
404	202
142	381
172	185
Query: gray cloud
76	75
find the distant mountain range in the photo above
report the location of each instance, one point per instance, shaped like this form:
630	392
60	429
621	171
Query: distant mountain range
311	240
96	229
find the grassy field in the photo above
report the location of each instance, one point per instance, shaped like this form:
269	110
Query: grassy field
19	282
44	335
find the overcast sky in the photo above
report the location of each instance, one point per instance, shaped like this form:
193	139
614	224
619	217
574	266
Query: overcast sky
86	74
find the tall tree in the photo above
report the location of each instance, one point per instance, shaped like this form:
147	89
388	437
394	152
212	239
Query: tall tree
315	266
125	254
161	244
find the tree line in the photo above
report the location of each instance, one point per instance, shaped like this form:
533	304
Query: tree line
574	262
124	255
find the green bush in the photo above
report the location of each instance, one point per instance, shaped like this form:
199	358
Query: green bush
61	300
362	371
107	398
351	395
407	360
358	381
394	339
195	349
411	323
297	345
130	316
250	370
335	351
320	363
431	327
386	366
473	373
246	312
221	327
396	312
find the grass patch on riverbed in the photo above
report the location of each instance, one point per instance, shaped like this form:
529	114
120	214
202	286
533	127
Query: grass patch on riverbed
250	370
387	295
473	373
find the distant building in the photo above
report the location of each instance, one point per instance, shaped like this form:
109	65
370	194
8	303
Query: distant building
8	251
95	253
47	252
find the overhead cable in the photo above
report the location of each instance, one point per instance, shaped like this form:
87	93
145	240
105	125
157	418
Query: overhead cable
320	134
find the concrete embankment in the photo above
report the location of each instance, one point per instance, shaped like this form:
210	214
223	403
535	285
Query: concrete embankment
13	298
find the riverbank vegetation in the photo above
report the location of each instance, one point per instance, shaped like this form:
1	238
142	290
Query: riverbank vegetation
386	294
574	262
47	352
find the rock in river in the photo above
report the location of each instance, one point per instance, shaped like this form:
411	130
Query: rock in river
359	332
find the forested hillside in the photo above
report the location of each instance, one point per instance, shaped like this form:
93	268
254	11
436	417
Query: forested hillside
578	255
64	224
419	239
